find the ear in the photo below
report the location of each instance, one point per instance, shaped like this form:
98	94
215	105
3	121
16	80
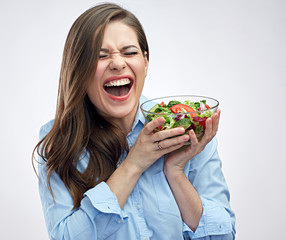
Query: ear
146	62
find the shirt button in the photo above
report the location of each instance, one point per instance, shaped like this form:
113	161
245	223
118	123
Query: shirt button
138	206
145	238
119	220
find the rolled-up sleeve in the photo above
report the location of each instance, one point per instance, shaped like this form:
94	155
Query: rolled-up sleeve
98	216
94	219
205	173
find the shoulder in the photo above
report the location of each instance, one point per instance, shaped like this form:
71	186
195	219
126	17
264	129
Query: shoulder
44	130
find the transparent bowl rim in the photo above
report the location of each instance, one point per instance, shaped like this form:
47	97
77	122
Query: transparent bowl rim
180	96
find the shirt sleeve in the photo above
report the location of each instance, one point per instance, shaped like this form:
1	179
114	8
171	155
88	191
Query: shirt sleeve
218	220
98	216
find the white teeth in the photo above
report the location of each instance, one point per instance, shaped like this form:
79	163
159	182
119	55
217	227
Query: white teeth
120	82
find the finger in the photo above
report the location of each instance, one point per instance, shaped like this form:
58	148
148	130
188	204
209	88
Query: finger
168	133
149	127
209	124
208	132
192	149
170	149
167	143
216	118
193	139
211	128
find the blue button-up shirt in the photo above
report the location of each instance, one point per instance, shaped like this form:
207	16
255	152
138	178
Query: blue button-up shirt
150	212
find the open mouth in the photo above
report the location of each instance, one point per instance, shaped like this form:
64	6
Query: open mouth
119	87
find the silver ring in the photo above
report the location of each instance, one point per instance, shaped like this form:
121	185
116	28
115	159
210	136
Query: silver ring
159	146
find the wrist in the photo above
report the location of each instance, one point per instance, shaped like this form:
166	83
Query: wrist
173	172
122	182
131	168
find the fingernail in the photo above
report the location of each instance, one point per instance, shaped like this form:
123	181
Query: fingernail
161	119
186	138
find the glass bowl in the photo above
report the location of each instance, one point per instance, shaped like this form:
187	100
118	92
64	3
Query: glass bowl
187	111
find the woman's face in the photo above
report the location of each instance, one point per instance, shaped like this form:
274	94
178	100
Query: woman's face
119	78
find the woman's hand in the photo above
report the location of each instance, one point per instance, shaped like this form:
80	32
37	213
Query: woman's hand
176	161
147	149
142	155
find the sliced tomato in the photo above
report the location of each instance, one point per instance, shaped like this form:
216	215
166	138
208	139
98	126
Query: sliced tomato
177	108
162	104
207	106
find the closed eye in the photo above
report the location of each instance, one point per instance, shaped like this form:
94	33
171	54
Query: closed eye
130	53
103	56
127	51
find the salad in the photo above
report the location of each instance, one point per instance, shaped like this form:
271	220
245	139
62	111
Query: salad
186	114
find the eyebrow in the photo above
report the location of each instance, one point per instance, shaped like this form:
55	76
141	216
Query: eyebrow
122	49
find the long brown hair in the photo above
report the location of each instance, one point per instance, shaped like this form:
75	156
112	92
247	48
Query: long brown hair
77	126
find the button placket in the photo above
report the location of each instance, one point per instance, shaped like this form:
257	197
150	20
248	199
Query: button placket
139	213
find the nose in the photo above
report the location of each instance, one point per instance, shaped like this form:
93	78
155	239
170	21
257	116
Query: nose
117	62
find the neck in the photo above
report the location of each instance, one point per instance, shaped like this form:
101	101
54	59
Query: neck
125	123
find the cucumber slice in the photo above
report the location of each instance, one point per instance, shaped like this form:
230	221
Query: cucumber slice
154	108
184	122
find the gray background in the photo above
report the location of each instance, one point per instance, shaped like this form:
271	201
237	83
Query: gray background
230	50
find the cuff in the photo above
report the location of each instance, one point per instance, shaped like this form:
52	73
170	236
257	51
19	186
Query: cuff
102	207
215	220
103	199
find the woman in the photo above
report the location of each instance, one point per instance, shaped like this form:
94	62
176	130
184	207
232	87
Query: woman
103	173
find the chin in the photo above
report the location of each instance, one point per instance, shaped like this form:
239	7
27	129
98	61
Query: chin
125	111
